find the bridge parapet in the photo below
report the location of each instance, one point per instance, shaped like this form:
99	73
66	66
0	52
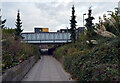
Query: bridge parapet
50	37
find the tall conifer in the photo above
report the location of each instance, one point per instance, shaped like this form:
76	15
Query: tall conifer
18	25
73	25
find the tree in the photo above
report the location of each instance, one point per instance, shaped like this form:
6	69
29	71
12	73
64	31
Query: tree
73	25
110	26
2	22
18	25
113	22
102	30
89	25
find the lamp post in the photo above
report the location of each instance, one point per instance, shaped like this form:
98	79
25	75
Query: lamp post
119	8
0	20
67	34
83	18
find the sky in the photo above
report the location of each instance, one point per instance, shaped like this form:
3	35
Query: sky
52	14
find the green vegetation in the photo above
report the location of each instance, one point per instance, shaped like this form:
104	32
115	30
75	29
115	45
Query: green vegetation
2	22
111	26
14	49
73	25
18	25
96	62
15	52
89	25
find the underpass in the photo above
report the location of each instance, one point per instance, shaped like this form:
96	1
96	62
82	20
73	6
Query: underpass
47	68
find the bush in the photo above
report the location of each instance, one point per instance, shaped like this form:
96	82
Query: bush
15	52
100	63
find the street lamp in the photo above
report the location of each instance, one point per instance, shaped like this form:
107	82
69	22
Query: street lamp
67	34
83	18
119	8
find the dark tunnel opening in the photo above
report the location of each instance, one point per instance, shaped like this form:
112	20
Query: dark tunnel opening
49	51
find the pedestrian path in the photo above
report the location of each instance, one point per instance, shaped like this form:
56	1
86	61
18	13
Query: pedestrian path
47	69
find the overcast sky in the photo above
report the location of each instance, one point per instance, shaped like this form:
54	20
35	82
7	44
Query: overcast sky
54	15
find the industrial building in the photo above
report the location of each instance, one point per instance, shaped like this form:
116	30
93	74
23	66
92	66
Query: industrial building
41	30
62	30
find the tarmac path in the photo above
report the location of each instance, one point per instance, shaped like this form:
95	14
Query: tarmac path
47	69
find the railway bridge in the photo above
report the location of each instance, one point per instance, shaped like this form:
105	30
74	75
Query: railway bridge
47	38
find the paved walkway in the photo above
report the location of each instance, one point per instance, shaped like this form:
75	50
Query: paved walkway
47	69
